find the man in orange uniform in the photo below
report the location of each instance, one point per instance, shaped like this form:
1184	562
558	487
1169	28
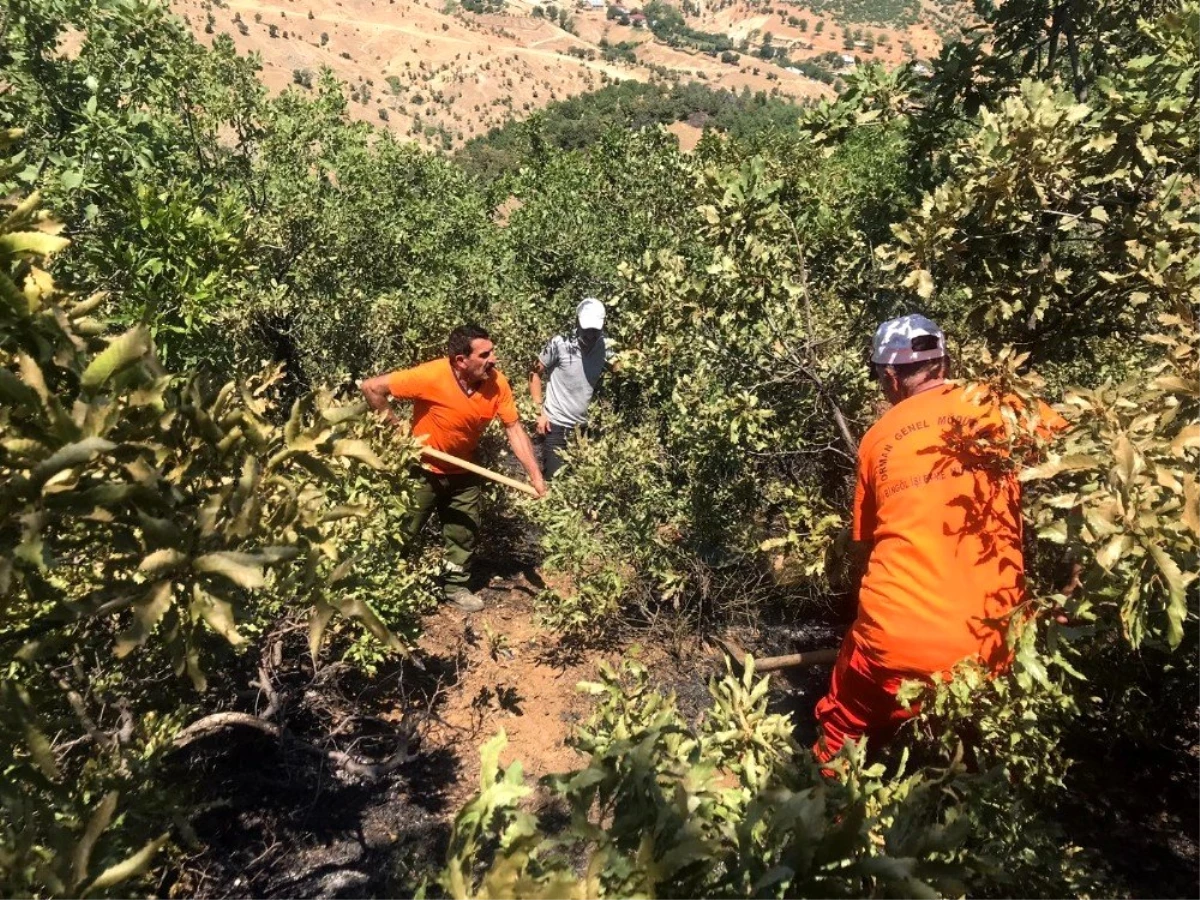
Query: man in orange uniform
454	399
944	535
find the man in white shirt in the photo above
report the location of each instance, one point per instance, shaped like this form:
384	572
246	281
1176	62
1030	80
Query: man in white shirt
572	367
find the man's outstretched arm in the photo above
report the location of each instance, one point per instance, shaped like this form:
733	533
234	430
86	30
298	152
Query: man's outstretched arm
535	391
522	448
378	396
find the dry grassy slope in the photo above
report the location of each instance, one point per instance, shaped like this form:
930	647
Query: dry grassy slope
459	74
749	20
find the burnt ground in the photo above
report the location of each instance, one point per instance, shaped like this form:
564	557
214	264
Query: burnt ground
1133	794
1138	812
276	822
279	821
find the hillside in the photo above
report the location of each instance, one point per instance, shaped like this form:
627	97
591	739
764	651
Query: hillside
438	73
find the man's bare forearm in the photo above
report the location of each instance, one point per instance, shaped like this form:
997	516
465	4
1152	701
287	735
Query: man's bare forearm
522	448
535	386
535	391
378	397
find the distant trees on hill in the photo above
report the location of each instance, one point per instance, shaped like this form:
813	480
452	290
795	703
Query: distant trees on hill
821	68
623	51
484	6
900	13
668	24
583	120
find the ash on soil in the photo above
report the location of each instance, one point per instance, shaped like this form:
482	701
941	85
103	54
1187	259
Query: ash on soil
281	822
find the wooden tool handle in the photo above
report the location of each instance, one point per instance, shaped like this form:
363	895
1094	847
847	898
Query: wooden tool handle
479	470
737	653
792	660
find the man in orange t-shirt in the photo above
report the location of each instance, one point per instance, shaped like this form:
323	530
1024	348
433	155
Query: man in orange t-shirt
454	400
944	531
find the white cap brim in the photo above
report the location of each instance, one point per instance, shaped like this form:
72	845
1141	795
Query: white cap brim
904	357
893	343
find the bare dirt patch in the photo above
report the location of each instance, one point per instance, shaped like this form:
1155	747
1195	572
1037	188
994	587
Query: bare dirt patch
278	822
687	134
515	678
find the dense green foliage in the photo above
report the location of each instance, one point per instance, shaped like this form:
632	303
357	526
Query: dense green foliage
730	807
135	505
669	25
1041	204
159	525
1060	228
582	121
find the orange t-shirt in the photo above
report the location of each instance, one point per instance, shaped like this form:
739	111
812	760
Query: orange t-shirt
450	420
945	533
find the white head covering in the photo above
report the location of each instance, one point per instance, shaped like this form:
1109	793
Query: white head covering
893	345
591	313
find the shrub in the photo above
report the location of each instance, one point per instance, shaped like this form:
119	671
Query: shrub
186	516
720	809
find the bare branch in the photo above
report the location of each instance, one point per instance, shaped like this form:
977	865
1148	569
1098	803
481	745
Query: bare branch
101	739
264	685
369	771
838	417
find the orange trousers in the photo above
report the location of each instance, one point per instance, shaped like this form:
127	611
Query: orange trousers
861	702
